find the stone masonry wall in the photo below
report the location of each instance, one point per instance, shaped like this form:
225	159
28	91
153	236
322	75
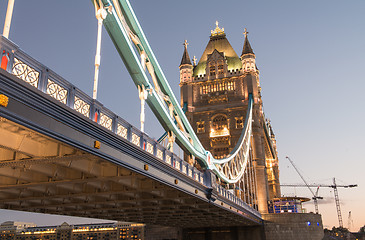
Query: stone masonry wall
288	226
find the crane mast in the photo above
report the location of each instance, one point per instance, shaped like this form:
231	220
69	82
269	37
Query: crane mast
315	197
337	200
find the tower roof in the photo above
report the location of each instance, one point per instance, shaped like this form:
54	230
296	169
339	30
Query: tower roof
219	42
246	46
185	58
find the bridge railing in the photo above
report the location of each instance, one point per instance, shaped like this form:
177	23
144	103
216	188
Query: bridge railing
18	63
26	68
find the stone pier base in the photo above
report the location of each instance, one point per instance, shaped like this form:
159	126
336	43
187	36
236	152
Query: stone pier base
288	226
283	226
219	233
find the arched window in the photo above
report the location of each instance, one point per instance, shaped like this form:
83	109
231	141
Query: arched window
220	122
219	126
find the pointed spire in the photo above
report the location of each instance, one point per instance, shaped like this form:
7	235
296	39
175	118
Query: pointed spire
246	46
185	58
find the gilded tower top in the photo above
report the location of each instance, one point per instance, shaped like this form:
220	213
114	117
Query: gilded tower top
217	31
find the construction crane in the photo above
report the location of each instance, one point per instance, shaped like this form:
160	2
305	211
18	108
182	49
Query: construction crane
334	186
315	195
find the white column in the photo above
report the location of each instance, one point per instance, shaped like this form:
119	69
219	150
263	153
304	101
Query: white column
9	14
100	15
142	96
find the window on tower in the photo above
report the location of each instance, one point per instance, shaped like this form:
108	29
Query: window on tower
212	70
220	153
220	122
220	69
215	87
219	126
200	127
239	122
230	86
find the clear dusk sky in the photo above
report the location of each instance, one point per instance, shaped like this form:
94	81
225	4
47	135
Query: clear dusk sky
311	56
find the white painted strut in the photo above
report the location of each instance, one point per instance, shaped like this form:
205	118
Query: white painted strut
171	138
9	14
100	14
142	96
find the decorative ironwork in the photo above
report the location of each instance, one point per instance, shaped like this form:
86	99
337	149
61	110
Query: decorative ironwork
177	165
168	159
196	177
56	91
106	121
122	131
149	148
190	173
25	72
159	154
82	107
184	169
136	139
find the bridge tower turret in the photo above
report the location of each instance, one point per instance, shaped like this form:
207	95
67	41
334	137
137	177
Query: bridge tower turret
186	77
251	78
215	94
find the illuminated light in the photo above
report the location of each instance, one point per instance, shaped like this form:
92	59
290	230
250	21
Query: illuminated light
317	223
308	223
4	62
4	100
146	167
94	229
39	232
97	144
219	133
96	117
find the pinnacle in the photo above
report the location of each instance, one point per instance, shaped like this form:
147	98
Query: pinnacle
246	46
185	58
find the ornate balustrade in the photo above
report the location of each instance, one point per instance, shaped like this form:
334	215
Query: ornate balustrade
39	76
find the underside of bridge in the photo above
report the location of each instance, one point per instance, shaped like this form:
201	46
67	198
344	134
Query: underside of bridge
40	174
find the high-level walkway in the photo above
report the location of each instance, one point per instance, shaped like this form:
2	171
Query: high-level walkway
63	153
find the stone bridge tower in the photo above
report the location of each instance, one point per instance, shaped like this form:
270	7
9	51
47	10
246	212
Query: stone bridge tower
214	93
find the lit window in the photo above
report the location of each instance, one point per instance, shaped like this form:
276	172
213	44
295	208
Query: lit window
212	70
220	122
239	122
220	69
200	127
230	86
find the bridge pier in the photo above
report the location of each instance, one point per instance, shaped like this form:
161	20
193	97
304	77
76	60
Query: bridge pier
154	232
224	233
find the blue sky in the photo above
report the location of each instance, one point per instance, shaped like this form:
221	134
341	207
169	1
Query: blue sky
311	56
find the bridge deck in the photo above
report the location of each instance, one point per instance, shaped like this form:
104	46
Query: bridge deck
49	163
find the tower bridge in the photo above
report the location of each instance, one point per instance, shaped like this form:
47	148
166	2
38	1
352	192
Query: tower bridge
63	152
